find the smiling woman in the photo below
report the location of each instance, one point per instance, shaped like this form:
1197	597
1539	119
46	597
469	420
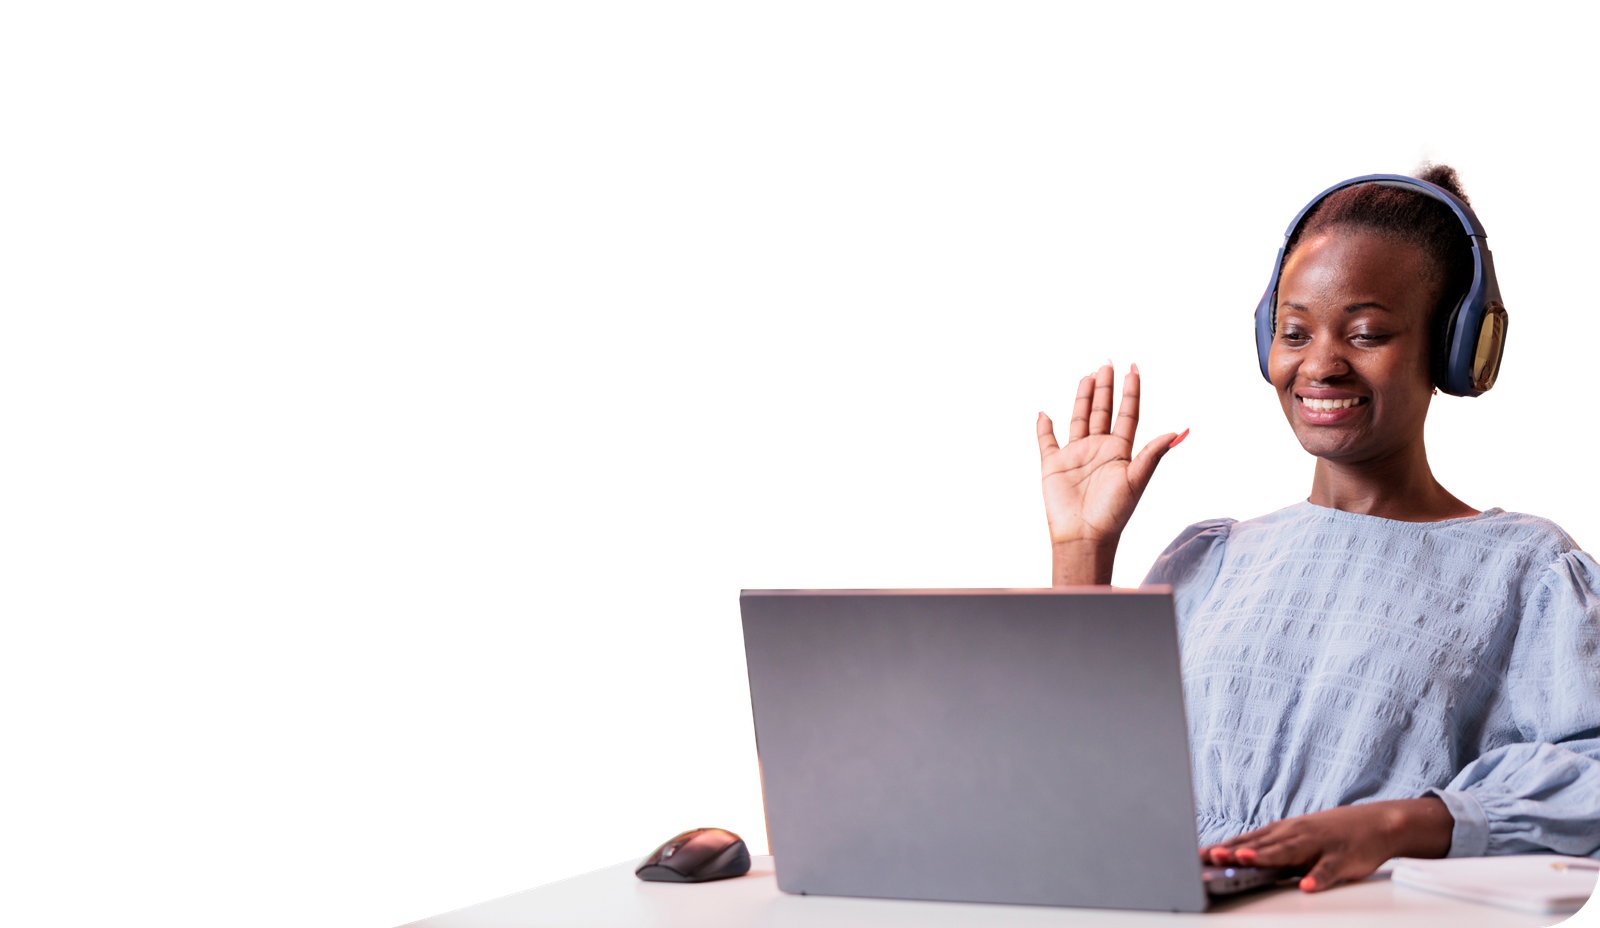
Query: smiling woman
1368	276
1381	670
1351	366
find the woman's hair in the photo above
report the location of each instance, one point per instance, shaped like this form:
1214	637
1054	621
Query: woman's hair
1405	216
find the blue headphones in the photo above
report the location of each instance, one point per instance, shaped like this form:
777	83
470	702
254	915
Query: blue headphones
1468	340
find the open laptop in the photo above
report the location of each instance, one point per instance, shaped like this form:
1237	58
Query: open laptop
1022	746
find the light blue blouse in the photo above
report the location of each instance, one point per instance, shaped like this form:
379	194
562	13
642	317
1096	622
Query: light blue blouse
1331	658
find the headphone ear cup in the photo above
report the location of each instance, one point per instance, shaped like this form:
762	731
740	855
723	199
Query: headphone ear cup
1444	330
1266	326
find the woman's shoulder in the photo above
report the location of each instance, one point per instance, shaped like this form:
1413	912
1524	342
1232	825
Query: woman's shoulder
1521	528
1206	531
1528	542
1186	556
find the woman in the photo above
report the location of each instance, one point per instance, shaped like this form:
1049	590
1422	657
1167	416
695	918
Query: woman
1381	670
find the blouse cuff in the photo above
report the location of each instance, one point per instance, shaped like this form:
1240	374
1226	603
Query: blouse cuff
1470	836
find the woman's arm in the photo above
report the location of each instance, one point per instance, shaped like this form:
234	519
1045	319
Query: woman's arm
1082	563
1528	798
1520	799
1539	795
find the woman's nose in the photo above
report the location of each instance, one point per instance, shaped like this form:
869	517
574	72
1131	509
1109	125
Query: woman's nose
1324	359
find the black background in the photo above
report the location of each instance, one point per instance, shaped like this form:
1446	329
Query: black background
829	376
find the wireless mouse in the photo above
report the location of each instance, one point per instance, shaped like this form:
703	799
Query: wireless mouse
696	857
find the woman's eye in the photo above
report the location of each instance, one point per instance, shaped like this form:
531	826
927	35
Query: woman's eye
1370	338
1294	335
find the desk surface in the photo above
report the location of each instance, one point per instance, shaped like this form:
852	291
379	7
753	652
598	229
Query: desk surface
615	898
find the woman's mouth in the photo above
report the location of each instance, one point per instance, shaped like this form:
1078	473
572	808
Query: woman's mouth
1320	410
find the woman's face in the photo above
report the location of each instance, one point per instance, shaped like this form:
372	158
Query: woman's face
1349	358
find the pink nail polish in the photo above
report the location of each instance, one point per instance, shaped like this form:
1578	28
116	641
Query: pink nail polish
1179	440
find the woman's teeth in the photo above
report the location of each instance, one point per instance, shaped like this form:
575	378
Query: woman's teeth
1329	404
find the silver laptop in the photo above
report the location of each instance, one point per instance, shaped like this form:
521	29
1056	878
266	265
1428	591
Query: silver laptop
1023	746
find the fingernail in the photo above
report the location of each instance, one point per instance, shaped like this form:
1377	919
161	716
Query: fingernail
1133	368
1308	884
1179	440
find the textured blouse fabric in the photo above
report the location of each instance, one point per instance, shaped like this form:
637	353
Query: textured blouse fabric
1331	658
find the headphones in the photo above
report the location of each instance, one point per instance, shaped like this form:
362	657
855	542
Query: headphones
1468	340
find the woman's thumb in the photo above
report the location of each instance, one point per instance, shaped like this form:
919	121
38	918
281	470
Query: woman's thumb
1324	875
1143	465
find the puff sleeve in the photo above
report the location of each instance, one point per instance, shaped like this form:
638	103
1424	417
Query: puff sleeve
1191	563
1543	793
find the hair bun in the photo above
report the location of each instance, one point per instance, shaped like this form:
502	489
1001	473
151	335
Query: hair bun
1429	164
1428	152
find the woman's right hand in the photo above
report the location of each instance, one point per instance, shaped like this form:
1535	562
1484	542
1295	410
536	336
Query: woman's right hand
1093	483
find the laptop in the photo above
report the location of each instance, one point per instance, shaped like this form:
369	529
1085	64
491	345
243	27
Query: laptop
1016	746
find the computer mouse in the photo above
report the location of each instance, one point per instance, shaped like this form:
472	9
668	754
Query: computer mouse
696	857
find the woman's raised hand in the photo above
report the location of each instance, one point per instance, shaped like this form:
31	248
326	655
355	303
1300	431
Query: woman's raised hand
1093	483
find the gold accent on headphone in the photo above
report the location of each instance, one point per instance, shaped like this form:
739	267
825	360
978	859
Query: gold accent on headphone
1491	344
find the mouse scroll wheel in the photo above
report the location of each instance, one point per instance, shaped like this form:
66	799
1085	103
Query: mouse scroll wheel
676	846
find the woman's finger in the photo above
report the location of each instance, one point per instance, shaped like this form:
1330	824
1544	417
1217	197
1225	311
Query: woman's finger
1079	426
1047	437
1221	854
1248	836
1225	851
1127	424
1285	853
1100	411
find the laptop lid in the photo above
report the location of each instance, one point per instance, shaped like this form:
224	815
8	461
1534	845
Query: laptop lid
1023	746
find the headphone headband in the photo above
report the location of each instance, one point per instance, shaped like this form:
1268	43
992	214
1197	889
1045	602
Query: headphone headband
1469	338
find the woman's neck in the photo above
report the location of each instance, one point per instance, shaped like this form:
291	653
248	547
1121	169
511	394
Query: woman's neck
1399	486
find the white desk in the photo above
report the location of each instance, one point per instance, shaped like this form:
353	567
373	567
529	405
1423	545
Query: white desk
615	898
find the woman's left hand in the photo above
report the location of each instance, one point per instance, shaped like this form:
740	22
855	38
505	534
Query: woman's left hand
1342	844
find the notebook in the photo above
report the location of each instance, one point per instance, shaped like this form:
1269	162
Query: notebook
1017	746
1541	883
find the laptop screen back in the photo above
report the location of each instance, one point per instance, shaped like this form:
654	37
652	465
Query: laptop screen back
1022	746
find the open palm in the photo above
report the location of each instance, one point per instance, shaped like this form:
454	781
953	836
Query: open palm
1093	483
